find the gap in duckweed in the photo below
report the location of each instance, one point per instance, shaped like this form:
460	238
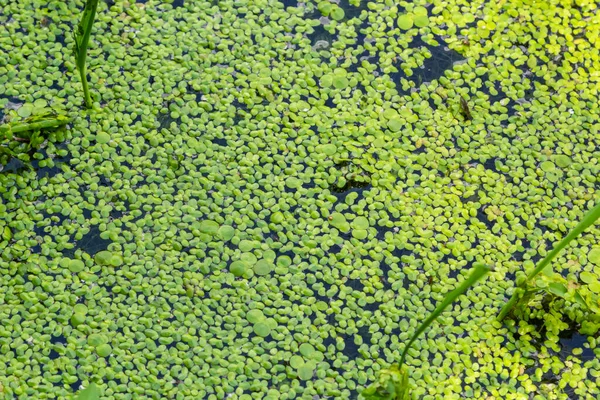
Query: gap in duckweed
76	386
571	339
15	166
8	103
350	186
321	38
91	242
441	60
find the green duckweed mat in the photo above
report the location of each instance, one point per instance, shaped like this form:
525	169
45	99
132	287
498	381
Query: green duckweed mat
268	198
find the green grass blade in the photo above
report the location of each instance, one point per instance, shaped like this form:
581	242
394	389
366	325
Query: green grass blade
46	123
587	221
82	39
478	272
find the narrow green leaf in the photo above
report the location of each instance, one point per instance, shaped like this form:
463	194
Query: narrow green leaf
587	221
82	38
580	300
478	272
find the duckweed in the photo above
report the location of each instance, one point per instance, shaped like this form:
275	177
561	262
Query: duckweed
103	257
238	268
102	138
267	198
262	329
405	21
104	350
263	267
594	256
306	371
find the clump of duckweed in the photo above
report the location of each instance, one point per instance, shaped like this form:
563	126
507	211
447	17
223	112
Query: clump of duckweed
585	295
26	129
208	189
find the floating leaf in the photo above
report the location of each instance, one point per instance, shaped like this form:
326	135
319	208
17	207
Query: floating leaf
89	393
255	316
210	227
96	339
337	13
226	232
420	10
421	21
296	361
80	309
395	124
104	350
102	137
360	234
306	371
547	166
405	21
326	81
77	319
103	257
262	329
238	268
340	82
25	110
339	221
587	277
594	255
325	7
557	288
307	350
277	217
328	149
263	267
562	160
360	223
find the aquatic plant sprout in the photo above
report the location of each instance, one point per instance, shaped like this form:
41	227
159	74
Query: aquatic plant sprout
82	38
524	288
392	384
49	122
25	130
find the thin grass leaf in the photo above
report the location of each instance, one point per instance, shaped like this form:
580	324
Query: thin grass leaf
82	38
478	272
392	384
45	123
